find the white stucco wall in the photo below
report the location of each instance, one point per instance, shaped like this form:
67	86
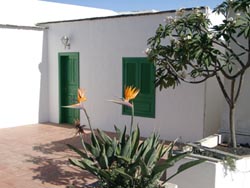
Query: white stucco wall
212	175
202	175
23	75
102	43
213	107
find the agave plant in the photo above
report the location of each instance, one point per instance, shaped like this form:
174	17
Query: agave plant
125	160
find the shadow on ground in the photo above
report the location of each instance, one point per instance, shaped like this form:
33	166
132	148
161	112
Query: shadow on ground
50	164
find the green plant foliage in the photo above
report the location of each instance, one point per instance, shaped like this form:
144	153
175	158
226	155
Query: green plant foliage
127	161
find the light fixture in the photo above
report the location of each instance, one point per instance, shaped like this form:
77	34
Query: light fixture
66	41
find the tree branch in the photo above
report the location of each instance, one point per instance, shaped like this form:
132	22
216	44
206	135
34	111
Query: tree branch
242	75
172	69
248	62
239	87
223	89
227	47
232	93
241	71
240	45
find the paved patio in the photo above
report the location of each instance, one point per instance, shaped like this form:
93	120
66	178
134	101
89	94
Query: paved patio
35	156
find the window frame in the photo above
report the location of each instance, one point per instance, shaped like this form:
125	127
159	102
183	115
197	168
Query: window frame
144	103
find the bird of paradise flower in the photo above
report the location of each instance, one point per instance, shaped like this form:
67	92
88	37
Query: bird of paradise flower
81	98
130	93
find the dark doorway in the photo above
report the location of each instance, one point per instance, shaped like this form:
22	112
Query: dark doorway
68	85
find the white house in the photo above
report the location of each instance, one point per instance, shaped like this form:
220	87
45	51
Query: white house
99	51
102	51
101	40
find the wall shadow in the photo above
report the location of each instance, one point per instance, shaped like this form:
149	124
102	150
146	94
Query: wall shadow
43	115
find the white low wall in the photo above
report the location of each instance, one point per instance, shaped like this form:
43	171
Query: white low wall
213	175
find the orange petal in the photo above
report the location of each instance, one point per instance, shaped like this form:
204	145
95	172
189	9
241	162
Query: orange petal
81	95
131	92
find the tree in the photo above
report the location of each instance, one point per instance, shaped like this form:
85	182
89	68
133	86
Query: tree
189	49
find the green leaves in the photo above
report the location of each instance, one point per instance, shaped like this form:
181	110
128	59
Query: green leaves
199	49
127	161
135	141
103	158
85	164
82	154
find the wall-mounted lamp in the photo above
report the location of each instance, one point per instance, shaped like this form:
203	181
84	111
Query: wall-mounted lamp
66	41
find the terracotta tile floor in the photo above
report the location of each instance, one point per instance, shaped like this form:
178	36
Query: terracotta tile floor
35	156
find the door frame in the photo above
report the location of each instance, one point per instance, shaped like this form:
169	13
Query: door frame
61	54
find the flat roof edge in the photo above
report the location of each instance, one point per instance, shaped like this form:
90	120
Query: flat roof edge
9	26
120	16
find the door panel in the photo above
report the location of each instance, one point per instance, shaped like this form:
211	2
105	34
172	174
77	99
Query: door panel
69	83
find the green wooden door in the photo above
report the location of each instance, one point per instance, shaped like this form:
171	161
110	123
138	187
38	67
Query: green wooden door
69	83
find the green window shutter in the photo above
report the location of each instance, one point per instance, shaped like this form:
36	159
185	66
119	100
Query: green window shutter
140	73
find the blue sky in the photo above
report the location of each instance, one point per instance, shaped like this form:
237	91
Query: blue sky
135	5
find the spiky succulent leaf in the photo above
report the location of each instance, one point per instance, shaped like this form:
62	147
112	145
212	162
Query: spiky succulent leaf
93	150
118	131
103	160
160	167
145	171
123	138
162	149
126	149
110	150
135	140
85	164
150	157
94	140
124	158
82	154
123	173
105	138
106	176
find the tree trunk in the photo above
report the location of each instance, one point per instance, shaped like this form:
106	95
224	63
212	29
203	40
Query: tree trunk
233	142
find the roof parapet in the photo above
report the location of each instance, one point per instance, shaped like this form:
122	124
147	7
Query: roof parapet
8	26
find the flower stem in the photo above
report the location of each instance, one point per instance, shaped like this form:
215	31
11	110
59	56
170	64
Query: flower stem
92	131
132	119
87	116
83	144
131	128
